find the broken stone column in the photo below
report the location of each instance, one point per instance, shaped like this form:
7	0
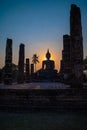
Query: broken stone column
27	70
21	64
8	63
65	69
66	54
32	69
76	45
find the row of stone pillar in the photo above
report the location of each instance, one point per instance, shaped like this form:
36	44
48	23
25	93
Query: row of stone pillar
21	77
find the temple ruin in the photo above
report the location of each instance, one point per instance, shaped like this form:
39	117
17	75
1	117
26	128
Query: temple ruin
72	54
8	62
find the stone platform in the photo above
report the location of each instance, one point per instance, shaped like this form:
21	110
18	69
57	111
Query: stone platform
21	98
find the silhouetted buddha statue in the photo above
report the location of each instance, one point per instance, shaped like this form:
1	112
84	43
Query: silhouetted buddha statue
48	64
47	72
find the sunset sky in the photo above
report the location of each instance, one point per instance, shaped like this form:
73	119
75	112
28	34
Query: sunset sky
39	24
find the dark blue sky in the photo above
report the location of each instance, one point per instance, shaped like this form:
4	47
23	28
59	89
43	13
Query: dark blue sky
39	24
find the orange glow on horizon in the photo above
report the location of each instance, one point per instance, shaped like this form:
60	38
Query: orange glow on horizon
41	52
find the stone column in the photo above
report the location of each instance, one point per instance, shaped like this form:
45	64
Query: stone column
76	44
32	69
21	64
8	63
66	54
27	70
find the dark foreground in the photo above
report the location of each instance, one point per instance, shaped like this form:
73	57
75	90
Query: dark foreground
30	109
30	100
43	121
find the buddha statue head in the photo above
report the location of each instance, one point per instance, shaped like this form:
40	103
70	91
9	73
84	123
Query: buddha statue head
48	55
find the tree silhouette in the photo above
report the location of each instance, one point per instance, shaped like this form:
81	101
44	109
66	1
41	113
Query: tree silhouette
35	60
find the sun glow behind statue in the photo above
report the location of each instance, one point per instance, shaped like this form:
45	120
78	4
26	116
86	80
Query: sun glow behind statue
55	57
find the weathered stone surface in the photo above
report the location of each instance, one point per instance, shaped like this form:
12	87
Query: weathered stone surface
21	64
8	62
76	44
